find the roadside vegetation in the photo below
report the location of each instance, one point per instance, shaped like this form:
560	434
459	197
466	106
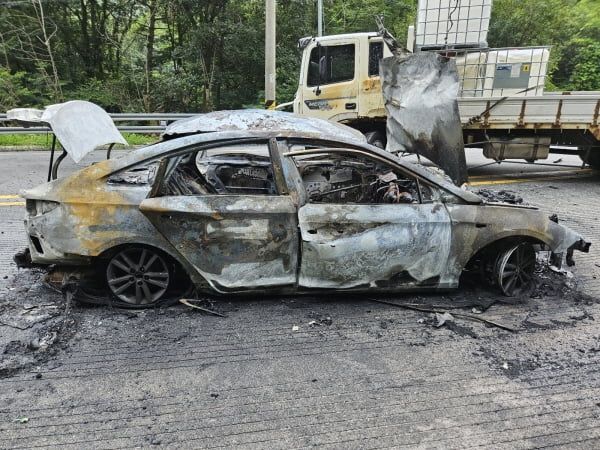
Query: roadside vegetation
44	141
195	56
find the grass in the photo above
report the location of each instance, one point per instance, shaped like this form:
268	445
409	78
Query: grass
44	141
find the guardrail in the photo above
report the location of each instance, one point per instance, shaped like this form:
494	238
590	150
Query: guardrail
160	121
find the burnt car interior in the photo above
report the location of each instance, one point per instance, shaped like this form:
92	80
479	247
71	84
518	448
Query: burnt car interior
333	177
330	176
228	170
141	175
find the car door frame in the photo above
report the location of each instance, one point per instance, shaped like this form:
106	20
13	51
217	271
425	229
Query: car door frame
314	251
274	224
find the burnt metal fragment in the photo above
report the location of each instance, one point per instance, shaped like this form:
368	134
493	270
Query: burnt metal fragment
420	93
502	196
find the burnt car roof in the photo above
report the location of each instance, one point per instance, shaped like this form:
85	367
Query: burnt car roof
259	120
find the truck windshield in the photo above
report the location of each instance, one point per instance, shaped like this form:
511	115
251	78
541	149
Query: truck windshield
331	64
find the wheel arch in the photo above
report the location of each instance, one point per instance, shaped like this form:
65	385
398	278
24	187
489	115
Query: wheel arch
110	250
498	242
173	256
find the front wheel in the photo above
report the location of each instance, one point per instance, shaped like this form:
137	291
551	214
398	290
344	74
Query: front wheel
591	157
514	268
138	276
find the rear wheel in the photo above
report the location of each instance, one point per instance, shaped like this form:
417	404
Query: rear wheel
513	270
138	276
591	157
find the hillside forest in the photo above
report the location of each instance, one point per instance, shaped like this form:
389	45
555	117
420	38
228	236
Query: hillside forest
202	55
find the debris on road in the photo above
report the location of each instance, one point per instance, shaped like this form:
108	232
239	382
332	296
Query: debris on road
562	271
442	318
442	313
319	319
193	303
502	196
38	319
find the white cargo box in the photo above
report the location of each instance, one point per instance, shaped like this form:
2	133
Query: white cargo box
452	23
503	72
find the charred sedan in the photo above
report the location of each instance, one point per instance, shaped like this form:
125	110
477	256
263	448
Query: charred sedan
255	201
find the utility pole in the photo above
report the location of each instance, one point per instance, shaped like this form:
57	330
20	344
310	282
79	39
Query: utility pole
270	75
319	17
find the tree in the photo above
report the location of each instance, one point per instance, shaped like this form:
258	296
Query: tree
13	92
579	69
571	27
199	55
32	33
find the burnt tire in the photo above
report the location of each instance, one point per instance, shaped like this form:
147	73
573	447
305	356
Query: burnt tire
376	138
514	268
139	277
591	158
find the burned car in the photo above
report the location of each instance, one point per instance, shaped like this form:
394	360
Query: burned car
256	201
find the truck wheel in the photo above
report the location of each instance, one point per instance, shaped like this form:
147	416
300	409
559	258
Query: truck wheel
376	138
591	158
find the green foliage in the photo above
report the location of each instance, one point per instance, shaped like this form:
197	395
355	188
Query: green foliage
113	94
190	56
20	89
13	92
587	15
519	23
571	27
25	140
350	16
44	141
580	68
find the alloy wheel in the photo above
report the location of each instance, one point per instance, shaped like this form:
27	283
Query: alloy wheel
138	276
514	269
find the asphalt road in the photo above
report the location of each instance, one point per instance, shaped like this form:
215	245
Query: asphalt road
335	372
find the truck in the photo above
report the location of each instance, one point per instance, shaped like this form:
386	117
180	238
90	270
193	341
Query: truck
502	103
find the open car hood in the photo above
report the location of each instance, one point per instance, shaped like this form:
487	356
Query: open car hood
79	126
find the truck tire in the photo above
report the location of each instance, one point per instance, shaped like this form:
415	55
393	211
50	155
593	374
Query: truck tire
376	138
591	158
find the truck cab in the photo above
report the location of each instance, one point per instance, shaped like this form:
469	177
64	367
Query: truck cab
339	80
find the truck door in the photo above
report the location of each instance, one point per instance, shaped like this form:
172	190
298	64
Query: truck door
329	88
370	100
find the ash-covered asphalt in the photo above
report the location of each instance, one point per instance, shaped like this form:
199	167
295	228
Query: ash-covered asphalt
329	371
